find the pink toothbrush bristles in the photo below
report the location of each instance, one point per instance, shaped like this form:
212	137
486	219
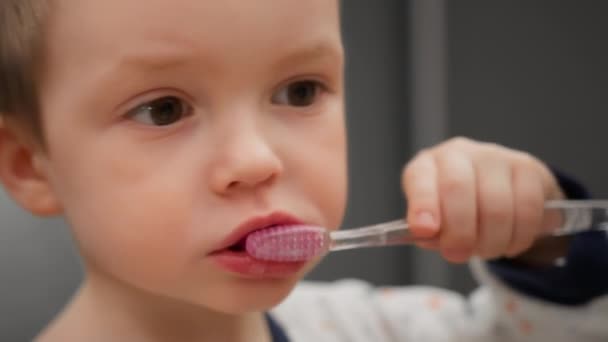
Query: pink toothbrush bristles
287	243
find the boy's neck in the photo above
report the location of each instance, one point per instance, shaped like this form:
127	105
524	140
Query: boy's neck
106	310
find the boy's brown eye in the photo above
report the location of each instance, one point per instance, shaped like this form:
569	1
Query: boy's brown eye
297	94
161	112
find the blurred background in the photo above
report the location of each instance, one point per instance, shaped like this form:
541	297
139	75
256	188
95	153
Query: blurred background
531	75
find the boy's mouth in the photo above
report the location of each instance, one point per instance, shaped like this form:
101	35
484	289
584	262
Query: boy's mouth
239	247
233	257
236	241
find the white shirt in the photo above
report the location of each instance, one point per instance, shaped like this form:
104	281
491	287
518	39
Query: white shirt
353	311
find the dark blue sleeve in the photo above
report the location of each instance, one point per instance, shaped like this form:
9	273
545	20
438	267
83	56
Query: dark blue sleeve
276	331
583	277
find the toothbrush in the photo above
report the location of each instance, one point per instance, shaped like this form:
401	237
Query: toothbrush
301	243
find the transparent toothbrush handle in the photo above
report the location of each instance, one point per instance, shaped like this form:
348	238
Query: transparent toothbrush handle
384	234
562	217
567	217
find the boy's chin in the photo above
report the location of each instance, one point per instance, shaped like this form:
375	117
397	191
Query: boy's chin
244	296
248	297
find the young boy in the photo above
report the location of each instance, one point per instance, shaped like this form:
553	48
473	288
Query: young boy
166	131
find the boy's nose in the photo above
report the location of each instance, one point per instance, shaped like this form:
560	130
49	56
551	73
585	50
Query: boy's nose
246	163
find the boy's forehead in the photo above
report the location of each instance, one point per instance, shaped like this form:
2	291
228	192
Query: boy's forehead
112	24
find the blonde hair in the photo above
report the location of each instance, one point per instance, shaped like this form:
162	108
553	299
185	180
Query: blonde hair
21	50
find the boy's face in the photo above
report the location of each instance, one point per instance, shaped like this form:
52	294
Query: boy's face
171	123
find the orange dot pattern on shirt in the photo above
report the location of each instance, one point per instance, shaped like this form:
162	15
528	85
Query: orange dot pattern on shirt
435	302
387	292
526	327
511	306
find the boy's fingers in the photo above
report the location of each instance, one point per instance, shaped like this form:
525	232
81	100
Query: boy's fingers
528	210
550	186
420	186
457	201
495	207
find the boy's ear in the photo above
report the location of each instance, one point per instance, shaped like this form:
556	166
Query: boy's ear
22	173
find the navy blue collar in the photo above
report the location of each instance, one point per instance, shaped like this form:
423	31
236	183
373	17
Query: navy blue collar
277	333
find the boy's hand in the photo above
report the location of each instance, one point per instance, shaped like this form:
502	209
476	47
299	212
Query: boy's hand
476	198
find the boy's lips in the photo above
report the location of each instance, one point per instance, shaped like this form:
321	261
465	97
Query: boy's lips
253	224
246	266
231	254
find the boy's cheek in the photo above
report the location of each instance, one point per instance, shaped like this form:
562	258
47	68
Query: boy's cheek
124	215
141	234
323	168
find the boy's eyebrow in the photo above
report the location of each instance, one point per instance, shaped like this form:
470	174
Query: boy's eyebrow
171	59
152	61
322	50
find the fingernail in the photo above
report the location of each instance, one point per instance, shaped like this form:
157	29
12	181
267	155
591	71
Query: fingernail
425	219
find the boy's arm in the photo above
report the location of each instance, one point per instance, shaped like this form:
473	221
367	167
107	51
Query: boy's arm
567	270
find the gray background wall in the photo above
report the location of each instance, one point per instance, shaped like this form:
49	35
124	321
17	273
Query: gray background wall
533	75
529	74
